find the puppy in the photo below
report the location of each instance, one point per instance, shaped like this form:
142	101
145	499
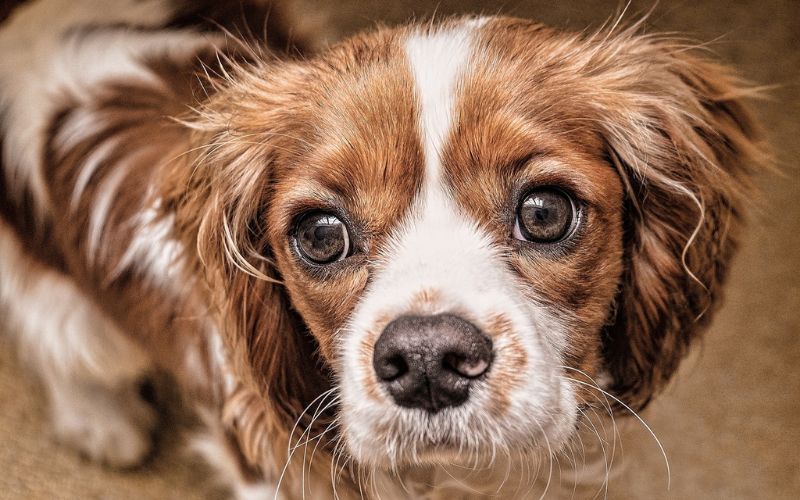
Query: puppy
408	265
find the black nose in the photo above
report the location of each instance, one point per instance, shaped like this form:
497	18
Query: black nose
429	362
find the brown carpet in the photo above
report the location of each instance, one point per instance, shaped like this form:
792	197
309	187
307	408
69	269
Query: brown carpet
731	422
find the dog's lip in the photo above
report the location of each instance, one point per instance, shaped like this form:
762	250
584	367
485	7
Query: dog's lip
443	445
440	453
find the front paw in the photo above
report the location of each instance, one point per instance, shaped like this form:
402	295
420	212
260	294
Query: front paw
114	428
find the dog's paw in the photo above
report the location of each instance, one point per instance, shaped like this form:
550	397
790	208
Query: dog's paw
114	428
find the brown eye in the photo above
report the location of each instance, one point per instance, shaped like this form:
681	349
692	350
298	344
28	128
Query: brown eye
545	215
322	238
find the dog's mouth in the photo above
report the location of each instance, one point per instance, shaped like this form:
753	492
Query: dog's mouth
410	438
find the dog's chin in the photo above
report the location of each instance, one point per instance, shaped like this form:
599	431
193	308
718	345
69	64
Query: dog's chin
454	450
448	455
453	455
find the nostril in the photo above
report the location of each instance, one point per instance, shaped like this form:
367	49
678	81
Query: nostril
464	366
396	367
430	362
391	368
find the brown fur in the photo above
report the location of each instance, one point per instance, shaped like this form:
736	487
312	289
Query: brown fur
647	133
256	119
693	131
679	121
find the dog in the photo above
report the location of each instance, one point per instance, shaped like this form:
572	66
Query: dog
401	266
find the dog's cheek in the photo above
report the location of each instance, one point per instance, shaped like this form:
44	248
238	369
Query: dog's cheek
325	304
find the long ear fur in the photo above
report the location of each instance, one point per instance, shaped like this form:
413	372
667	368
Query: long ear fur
686	147
242	132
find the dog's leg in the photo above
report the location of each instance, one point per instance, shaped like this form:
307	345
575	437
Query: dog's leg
88	367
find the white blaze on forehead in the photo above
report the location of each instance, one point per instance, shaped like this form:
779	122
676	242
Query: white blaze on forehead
437	62
438	246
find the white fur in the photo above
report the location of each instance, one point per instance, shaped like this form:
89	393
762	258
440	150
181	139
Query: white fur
437	62
153	249
44	65
87	365
96	158
109	425
440	249
100	210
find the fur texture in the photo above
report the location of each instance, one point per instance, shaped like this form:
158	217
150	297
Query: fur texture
154	171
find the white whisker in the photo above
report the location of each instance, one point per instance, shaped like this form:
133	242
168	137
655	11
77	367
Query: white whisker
635	414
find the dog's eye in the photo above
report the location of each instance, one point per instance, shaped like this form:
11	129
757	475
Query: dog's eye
322	238
545	215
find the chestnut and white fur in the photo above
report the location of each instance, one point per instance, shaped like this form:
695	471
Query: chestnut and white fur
412	264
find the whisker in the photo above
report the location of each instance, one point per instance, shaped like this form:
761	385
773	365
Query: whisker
290	450
320	410
606	463
550	458
629	409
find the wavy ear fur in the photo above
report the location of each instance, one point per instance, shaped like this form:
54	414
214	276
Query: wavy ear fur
241	134
686	147
675	126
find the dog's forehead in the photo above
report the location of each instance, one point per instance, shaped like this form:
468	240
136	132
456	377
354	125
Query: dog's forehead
443	107
384	119
365	152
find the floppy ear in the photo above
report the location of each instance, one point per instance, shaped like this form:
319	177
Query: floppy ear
242	134
685	147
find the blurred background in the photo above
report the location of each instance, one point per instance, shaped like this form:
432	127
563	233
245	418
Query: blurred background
730	423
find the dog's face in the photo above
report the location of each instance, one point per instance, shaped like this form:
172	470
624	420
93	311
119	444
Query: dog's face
476	222
450	250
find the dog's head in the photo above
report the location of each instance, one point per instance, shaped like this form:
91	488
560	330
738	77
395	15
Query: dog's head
466	231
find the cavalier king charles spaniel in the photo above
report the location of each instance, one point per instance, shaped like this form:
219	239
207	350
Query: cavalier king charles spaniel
410	264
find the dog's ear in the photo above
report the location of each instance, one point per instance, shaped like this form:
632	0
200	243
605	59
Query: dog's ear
242	135
685	147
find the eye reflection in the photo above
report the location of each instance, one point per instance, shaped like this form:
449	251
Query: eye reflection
322	238
545	215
